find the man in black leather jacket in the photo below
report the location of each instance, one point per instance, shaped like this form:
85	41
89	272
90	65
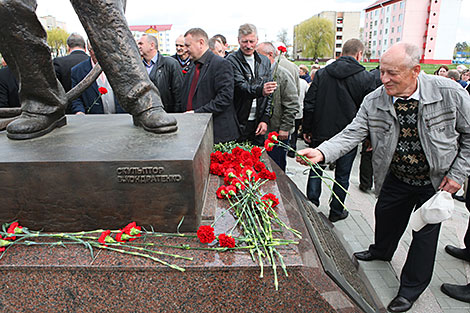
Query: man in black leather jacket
253	86
164	72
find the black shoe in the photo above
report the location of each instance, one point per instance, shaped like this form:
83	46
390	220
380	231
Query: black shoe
291	154
459	292
29	125
458	198
364	189
458	253
400	304
335	218
367	256
156	120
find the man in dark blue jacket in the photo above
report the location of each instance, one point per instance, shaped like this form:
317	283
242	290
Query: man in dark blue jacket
330	105
92	101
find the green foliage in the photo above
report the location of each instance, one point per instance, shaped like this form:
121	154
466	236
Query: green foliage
462	46
57	39
315	37
228	146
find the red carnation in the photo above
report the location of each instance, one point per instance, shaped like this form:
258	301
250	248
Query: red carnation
221	192
237	151
256	153
226	241
270	199
273	136
131	230
231	191
103	90
105	237
268	145
205	233
282	49
14	228
265	174
259	166
238	183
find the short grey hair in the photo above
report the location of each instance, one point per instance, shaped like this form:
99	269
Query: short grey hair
267	47
213	41
76	40
151	39
247	29
454	74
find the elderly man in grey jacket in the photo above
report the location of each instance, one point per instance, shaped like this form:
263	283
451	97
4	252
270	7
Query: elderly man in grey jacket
419	127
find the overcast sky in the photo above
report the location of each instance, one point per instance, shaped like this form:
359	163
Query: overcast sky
226	16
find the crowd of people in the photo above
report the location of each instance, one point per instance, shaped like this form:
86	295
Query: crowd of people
414	128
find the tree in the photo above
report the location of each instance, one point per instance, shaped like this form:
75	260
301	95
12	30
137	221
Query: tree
282	36
315	37
57	39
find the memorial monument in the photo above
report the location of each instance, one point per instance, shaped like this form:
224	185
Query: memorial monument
101	172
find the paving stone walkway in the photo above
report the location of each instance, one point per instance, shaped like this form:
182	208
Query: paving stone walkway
358	232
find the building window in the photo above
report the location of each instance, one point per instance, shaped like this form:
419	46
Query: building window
371	24
394	6
375	33
379	52
400	17
398	29
370	35
338	45
375	23
385	42
380	32
376	12
381	21
391	41
393	18
381	10
388	9
386	20
380	42
398	39
339	37
402	4
393	30
386	31
339	29
373	43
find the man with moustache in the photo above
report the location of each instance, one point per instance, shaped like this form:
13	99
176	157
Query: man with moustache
253	86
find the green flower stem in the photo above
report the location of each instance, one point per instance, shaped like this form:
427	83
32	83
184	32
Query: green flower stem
176	267
176	256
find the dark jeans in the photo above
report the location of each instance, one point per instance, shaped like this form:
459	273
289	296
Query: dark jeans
365	168
248	134
293	137
278	155
342	173
396	202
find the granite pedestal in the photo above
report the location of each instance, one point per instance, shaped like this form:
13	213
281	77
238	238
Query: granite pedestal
100	171
44	279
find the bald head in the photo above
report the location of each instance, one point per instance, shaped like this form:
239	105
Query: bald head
405	53
399	69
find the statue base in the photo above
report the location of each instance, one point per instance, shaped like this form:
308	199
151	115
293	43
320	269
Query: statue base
100	171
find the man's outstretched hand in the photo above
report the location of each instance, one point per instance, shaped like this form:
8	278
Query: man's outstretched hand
313	155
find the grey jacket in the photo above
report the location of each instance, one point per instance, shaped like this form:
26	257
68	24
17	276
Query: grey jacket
443	128
285	103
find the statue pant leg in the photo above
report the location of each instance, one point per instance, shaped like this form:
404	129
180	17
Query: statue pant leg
23	44
118	55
